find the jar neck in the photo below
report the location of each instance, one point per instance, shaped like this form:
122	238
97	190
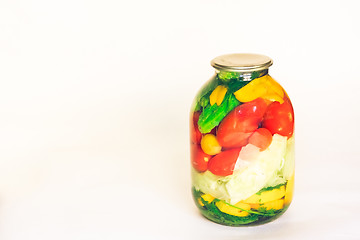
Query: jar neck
241	76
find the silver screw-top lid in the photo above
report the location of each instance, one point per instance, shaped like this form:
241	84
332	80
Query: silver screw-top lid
241	62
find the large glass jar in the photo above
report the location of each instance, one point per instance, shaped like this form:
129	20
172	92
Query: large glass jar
242	143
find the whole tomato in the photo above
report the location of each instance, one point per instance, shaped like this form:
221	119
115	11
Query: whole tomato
279	118
199	159
236	128
223	164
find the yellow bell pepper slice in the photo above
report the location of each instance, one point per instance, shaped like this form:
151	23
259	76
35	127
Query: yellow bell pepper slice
264	87
217	96
221	95
273	97
277	204
208	198
289	190
228	209
274	86
251	91
213	95
266	196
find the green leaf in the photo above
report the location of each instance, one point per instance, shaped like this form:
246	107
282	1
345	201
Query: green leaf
259	74
270	188
255	75
227	76
236	84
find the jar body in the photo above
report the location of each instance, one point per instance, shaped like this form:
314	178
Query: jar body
242	148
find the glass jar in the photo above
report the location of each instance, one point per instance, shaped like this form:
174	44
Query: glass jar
242	143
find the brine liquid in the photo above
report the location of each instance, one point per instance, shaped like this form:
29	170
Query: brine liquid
242	149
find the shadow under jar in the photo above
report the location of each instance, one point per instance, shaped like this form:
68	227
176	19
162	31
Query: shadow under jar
242	143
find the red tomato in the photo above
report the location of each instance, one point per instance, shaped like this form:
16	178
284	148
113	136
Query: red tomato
261	138
199	159
195	134
233	139
239	124
279	118
223	164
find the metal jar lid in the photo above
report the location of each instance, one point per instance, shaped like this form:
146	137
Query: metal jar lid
241	62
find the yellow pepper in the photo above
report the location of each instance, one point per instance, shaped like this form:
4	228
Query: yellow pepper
217	96
235	211
264	87
277	204
266	196
289	190
208	198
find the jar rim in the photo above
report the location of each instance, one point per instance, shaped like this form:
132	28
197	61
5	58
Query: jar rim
241	62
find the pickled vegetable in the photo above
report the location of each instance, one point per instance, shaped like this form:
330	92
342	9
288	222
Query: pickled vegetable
242	149
264	87
210	145
217	96
236	128
212	115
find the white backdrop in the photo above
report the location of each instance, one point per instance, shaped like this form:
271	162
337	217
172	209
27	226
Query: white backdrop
95	97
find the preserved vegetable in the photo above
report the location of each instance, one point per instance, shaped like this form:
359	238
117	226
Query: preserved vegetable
242	143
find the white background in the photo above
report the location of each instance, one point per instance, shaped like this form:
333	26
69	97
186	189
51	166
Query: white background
95	97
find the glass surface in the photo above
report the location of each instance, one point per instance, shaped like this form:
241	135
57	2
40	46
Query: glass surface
242	148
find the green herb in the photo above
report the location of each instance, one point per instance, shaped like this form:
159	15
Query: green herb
258	74
267	212
235	85
263	213
270	188
212	212
211	116
227	76
255	75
